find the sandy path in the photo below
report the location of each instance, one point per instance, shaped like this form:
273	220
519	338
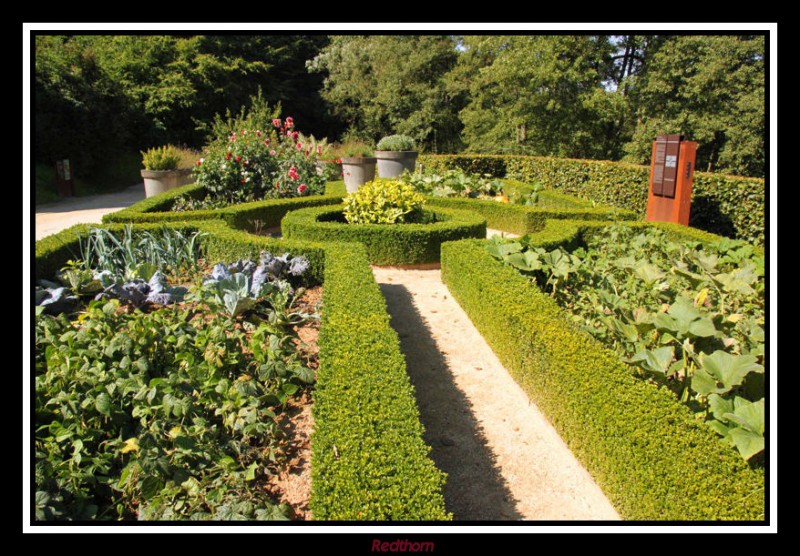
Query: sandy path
503	459
54	217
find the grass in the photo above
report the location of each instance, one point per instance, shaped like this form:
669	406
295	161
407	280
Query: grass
116	175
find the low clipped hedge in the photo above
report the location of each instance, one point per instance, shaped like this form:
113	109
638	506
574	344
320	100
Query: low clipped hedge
396	244
727	205
369	460
520	219
268	212
651	457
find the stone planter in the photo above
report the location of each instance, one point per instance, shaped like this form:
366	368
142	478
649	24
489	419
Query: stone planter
357	172
392	163
159	181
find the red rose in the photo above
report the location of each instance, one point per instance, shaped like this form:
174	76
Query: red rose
302	189
238	159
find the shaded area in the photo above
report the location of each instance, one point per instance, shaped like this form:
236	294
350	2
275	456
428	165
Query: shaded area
475	490
707	214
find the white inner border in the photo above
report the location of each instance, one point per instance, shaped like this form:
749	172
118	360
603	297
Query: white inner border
391	533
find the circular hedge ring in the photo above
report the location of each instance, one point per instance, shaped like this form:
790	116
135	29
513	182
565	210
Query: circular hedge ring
387	244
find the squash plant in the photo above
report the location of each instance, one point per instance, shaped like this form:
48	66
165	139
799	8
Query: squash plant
686	315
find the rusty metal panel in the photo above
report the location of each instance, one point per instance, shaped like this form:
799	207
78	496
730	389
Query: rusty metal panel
665	165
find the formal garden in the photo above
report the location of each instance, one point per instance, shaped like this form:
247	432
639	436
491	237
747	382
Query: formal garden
222	350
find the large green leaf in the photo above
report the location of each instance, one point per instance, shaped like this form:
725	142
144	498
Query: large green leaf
719	406
748	415
748	443
656	361
684	319
527	261
500	250
721	371
740	280
648	272
626	331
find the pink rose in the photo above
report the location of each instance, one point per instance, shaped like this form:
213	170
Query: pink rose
272	152
289	121
299	146
276	122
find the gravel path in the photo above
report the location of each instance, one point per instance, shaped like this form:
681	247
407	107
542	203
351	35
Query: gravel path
503	459
54	217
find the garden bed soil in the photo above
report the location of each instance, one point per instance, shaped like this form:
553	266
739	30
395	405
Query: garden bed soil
292	485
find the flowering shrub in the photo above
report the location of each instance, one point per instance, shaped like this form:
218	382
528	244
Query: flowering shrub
259	164
383	202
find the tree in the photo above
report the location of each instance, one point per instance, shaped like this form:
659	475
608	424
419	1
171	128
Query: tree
541	95
710	89
100	94
392	84
80	113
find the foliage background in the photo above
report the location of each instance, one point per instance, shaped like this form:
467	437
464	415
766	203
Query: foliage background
98	98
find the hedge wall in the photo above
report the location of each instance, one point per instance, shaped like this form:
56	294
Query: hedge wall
647	452
386	245
369	460
521	220
727	205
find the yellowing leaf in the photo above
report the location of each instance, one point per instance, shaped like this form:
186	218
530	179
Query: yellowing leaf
131	445
175	432
701	297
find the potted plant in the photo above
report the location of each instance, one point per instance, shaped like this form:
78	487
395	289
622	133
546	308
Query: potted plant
162	170
395	153
358	165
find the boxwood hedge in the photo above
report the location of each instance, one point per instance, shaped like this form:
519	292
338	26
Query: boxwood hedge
386	245
652	458
369	460
519	219
269	212
727	205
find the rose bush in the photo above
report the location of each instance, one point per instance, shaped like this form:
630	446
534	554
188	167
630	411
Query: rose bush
250	165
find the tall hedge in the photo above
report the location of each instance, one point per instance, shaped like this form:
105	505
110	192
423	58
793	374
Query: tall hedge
727	205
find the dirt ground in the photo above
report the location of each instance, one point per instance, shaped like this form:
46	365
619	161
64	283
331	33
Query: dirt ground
503	459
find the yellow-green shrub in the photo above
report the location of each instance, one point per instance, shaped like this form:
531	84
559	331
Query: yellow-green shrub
383	202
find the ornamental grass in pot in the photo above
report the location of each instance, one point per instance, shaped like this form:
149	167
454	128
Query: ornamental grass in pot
163	170
395	153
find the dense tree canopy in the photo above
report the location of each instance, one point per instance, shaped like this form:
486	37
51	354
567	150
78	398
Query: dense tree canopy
385	84
539	95
97	93
589	96
710	88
